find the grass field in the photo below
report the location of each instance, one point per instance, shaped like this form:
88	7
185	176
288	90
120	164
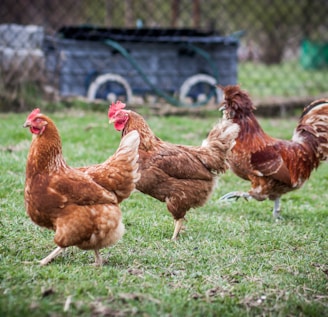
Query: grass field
232	260
287	79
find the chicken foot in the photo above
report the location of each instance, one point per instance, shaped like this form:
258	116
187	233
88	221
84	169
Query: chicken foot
236	196
51	256
247	196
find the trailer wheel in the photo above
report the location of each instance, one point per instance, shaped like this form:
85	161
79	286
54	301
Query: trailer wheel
198	88
110	87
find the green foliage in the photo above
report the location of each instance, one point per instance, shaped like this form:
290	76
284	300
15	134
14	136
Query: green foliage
232	259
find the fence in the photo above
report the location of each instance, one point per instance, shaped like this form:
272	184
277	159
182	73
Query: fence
175	50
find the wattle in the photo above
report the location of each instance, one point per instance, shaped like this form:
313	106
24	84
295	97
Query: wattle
119	126
35	130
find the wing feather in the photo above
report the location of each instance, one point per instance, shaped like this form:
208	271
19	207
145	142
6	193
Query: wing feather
179	162
269	162
79	188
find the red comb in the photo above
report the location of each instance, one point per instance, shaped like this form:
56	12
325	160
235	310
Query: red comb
33	114
115	107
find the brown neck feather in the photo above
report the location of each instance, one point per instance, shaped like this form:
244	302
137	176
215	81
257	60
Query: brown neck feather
46	151
147	138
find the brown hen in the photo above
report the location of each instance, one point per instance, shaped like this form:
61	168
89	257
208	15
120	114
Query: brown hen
274	167
81	207
181	176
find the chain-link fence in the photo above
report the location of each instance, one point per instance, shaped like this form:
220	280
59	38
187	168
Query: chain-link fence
173	50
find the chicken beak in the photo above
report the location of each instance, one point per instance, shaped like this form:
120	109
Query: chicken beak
111	120
27	124
222	108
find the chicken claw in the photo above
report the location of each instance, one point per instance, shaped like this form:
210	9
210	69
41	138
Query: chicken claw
236	196
51	256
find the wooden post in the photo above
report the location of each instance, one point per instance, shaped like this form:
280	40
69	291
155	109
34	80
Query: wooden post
109	9
175	9
196	14
128	13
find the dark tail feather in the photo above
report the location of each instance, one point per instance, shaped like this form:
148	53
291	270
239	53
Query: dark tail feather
314	120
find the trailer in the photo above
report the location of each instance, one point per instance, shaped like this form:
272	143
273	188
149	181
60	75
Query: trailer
183	66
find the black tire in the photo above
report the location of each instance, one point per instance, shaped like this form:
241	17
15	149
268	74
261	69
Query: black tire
106	79
197	80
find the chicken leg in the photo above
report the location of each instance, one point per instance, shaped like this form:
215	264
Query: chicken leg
276	209
99	260
177	227
247	196
236	196
51	256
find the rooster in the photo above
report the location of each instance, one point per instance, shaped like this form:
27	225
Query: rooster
274	167
181	176
81	206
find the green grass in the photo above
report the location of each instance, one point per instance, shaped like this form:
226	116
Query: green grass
232	260
287	79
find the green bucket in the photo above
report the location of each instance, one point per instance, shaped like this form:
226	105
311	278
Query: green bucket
313	55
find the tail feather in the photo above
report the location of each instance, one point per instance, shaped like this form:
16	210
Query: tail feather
314	120
220	141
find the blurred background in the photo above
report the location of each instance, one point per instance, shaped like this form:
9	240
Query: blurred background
162	51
